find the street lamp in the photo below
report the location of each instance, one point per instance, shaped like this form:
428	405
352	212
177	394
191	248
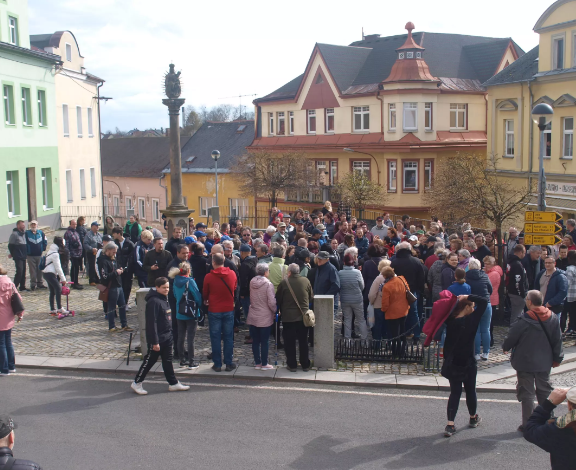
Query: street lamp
216	155
369	154
542	115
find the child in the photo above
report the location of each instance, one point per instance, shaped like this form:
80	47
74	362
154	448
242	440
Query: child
459	286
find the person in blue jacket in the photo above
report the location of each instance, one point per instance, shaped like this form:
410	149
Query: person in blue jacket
361	242
36	243
187	322
553	284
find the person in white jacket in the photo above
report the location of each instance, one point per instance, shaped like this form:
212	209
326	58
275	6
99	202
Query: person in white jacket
54	276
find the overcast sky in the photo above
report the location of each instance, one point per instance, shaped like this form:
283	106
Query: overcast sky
228	48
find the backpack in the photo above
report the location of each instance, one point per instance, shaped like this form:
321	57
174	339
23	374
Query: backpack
42	265
188	306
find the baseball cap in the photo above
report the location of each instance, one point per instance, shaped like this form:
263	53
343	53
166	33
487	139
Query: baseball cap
378	219
246	248
287	216
106	238
199	233
316	231
323	255
200	225
299	222
281	224
94	223
420	232
189	240
320	227
432	239
413	238
571	395
33	222
7	425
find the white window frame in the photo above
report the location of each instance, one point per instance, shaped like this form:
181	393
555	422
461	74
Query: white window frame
393	175
8	93
548	137
311	115
106	208
427	174
93	181
13	30
69	187
65	121
428	115
82	184
41	108
407	166
129	204
362	167
142	208
291	122
567	134
10	193
555	41
26	117
364	113
79	120
240	205
155	209
392	116
116	205
410	108
281	118
90	126
458	109
271	123
330	113
46	180
333	172
205	203
68	52
509	137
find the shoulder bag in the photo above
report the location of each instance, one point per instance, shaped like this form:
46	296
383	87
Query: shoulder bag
188	306
410	297
16	303
547	336
308	317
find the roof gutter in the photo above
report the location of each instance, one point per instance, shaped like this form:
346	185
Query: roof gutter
162	176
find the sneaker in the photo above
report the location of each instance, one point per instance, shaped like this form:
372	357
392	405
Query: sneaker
54	312
23	289
4	373
33	288
267	367
193	365
209	356
485	356
183	363
114	330
41	287
306	369
477	357
12	371
178	387
258	366
570	333
127	328
216	369
449	430
521	428
291	369
230	367
137	387
128	307
63	311
474	422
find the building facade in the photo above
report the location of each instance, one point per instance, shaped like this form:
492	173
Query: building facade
546	74
29	166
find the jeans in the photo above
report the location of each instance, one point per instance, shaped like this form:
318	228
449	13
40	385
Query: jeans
379	328
20	276
7	360
55	289
186	327
35	273
413	318
532	385
221	325
150	359
336	298
127	277
116	297
292	332
260	337
483	331
354	309
456	393
516	307
245	306
75	269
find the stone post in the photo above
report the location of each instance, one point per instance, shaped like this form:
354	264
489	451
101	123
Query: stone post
324	331
141	306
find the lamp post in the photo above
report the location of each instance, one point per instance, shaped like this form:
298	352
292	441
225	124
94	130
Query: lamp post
369	154
216	155
542	115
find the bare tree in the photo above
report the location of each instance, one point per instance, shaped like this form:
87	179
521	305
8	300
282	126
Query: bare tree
192	121
360	191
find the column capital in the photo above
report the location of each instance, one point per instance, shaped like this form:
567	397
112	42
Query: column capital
174	104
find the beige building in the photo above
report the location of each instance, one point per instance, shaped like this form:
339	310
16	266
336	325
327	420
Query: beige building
78	130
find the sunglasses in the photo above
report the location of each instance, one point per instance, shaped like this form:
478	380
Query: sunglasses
246	235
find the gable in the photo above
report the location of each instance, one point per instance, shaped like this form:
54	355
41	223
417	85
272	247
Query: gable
564	100
320	94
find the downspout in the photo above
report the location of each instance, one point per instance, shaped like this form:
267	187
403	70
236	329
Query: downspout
530	135
381	99
100	151
165	187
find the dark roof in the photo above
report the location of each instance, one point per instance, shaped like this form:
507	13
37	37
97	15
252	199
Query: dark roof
30	52
520	70
226	137
344	62
51	40
287	91
140	157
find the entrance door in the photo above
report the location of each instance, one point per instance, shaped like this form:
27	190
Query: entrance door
31	193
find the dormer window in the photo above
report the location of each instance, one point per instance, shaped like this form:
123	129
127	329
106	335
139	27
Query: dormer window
418	55
401	55
409	55
68	53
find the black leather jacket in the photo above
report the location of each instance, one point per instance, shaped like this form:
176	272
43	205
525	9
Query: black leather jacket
19	464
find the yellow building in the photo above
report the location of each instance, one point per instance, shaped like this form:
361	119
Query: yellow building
546	74
398	103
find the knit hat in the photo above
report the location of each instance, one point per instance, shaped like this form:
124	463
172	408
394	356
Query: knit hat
245	248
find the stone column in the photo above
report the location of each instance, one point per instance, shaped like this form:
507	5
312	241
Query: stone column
141	306
324	331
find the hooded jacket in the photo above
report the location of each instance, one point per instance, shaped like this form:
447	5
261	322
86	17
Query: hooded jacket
516	279
247	272
179	289
495	275
220	297
262	303
557	287
441	310
479	283
133	231
265	259
532	269
7	317
362	245
435	278
278	271
35	242
53	264
531	351
411	268
17	245
158	318
73	243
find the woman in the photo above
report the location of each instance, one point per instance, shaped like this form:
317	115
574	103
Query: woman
464	259
481	287
370	270
290	252
327	208
143	246
262	313
7	320
348	242
494	273
191	226
210	240
569	242
109	224
54	276
361	243
455	245
313	247
353	224
375	299
329	224
395	307
64	254
393	236
133	229
303	261
187	324
459	364
110	275
490	243
82	231
270	231
447	275
351	287
571	297
216	225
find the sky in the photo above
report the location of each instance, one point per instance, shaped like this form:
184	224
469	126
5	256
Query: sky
229	48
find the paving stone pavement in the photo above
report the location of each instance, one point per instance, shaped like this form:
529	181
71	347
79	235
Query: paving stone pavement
86	334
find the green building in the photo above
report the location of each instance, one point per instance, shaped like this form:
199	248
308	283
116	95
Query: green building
28	138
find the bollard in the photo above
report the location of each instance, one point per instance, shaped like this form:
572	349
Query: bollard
141	305
324	331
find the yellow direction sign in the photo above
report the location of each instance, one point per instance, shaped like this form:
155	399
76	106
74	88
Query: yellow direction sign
542	239
542	228
538	216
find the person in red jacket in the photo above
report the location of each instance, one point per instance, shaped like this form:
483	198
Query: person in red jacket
218	293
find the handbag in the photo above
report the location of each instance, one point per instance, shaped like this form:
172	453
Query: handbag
308	317
188	306
104	291
16	303
370	318
410	297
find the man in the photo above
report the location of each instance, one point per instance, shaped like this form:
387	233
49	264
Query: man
236	227
481	249
379	230
537	344
562	261
511	243
7	459
556	436
280	235
125	259
571	228
172	244
246	236
324	277
406	221
228	246
218	294
342	232
17	248
92	242
156	261
311	224
317	237
289	228
158	337
553	285
181	255
225	231
299	229
255	244
262	254
154	231
291	310
74	245
247	272
35	245
516	282
427	249
533	265
201	226
277	267
200	236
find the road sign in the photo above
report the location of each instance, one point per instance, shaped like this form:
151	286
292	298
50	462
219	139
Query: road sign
542	228
542	239
538	216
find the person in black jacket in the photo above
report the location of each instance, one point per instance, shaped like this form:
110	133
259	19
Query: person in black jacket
516	282
198	261
557	436
172	244
125	260
247	271
481	249
159	338
181	255
533	264
156	261
7	459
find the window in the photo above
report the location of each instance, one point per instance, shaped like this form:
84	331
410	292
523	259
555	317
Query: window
558	53
410	122
129	207
106	210
362	167
90	129
548	140
82	184
458	116
93	182
65	121
12	193
291	121
410	180
281	124
69	197
47	188
329	119
13	30
361	118
116	203
333	173
428	174
26	107
568	138
9	105
205	203
428	116
68	52
271	123
238	207
142	207
41	108
509	139
155	209
311	121
392	117
392	176
79	120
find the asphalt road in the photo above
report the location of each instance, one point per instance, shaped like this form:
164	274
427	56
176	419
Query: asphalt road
73	421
